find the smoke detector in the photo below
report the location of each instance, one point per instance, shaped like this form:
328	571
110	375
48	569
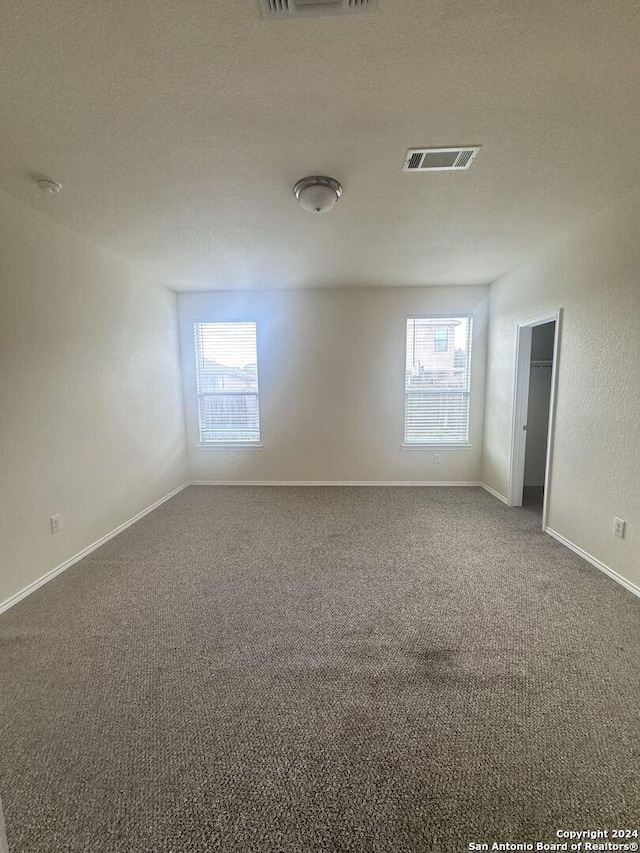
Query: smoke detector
314	8
440	159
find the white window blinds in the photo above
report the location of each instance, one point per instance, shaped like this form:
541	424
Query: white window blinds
437	380
227	382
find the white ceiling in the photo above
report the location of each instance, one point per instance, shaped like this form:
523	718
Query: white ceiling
178	128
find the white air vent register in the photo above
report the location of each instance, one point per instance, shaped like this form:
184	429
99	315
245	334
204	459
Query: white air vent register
439	159
314	8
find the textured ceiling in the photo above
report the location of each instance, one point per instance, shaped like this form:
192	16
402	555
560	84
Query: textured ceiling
179	128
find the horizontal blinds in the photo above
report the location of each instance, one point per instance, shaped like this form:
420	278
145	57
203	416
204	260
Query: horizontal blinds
227	382
437	380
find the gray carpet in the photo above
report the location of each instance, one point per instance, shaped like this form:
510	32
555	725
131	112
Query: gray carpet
253	670
4	847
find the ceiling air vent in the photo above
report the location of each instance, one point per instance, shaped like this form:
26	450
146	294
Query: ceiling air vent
439	159
314	8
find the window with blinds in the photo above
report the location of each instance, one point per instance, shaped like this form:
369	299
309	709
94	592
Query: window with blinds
437	380
227	382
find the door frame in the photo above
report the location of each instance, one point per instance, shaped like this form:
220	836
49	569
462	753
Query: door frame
524	331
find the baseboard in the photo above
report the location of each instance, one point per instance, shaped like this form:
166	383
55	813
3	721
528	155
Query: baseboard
330	483
494	493
627	584
32	587
445	483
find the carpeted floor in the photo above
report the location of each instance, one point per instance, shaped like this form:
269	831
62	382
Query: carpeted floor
320	670
3	835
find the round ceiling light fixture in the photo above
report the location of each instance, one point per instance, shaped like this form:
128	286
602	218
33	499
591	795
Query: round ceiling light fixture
49	186
317	193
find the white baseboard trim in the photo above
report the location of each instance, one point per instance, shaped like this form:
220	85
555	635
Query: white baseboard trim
32	587
627	584
329	483
494	493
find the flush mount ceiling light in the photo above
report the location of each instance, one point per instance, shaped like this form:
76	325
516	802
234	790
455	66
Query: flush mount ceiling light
317	193
49	186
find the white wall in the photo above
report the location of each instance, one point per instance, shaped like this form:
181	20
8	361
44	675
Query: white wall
595	277
331	373
92	418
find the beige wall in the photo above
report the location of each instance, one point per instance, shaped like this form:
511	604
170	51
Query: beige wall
331	373
595	278
92	418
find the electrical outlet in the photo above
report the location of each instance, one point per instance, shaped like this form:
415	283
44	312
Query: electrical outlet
619	527
56	524
436	458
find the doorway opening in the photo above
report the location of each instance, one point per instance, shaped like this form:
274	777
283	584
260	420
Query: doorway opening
533	413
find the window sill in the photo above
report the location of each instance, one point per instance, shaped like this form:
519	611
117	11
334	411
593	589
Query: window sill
231	445
436	446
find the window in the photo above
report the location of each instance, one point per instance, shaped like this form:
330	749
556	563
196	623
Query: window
437	380
227	382
440	338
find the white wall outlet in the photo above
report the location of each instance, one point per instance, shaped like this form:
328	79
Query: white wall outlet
436	458
619	527
56	524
